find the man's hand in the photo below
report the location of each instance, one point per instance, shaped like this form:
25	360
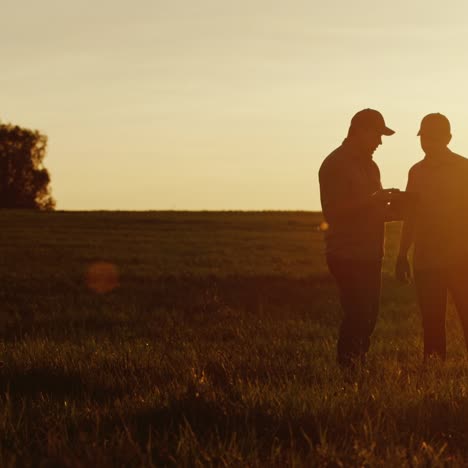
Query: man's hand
402	269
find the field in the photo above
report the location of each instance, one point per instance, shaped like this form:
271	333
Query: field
207	339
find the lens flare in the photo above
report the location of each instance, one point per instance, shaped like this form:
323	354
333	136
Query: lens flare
324	226
102	277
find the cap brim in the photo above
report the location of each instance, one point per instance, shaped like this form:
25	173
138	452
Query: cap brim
387	131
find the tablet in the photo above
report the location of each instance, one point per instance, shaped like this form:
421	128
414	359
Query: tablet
400	205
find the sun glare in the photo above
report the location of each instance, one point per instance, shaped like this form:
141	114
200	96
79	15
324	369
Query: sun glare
102	277
324	226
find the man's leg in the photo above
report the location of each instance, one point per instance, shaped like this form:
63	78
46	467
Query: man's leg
371	287
359	300
457	284
431	289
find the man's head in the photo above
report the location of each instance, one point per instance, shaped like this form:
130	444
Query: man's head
435	133
366	130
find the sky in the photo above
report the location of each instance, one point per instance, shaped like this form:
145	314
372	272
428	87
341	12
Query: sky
223	105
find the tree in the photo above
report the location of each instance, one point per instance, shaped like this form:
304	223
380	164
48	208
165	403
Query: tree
24	182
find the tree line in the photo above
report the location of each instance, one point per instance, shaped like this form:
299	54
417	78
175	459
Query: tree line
24	181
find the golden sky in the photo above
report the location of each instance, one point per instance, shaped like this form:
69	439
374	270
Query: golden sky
216	104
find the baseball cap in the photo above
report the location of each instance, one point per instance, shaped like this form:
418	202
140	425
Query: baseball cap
371	119
435	124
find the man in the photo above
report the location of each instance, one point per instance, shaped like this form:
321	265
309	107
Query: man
438	228
354	206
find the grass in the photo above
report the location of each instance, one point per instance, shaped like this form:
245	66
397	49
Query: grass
217	348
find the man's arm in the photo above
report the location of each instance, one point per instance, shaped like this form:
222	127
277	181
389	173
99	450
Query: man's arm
402	269
337	204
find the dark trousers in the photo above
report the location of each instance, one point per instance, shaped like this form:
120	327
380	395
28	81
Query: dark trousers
432	286
359	284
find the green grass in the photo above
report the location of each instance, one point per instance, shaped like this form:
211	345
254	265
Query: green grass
217	348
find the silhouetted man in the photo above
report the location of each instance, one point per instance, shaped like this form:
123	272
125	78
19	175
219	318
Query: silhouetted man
354	206
438	228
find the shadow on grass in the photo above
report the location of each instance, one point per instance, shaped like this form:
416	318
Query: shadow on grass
209	421
54	383
438	423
